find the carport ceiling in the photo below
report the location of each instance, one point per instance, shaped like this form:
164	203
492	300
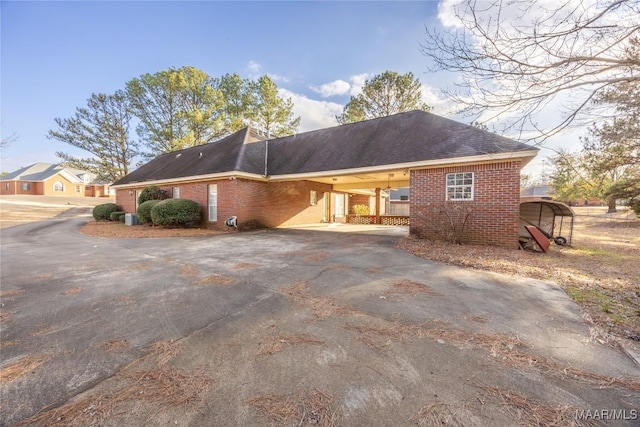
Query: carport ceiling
388	179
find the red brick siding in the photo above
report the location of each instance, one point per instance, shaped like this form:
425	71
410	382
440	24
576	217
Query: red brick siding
495	210
271	204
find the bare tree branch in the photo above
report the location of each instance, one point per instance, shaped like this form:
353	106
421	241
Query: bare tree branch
519	56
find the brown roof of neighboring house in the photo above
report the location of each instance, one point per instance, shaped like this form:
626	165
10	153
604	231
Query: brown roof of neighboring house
405	138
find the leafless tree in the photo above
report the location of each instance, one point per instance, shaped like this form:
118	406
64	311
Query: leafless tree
515	57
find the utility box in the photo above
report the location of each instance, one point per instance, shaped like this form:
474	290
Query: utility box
131	219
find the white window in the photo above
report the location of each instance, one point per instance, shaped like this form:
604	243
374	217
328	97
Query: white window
25	186
77	188
58	186
7	186
176	192
339	205
313	197
460	186
213	202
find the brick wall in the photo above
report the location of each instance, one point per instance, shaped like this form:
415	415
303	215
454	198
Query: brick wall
361	199
271	204
493	214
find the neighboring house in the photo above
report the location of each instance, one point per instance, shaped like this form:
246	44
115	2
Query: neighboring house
315	176
399	202
46	179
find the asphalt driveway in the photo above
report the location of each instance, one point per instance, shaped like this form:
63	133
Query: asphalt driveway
287	327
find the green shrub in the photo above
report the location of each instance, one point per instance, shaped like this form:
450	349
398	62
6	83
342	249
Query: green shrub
152	192
117	216
181	212
103	212
360	209
144	211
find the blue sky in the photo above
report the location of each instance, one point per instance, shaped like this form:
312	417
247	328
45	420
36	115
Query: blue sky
56	54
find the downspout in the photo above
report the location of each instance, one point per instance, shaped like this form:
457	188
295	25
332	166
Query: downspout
266	156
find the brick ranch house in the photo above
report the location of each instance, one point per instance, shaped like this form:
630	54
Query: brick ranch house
46	179
317	176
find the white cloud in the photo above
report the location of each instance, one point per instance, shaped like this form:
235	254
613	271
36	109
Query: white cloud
334	88
357	82
314	114
254	67
278	78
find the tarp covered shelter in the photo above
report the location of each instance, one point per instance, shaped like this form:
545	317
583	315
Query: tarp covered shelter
549	216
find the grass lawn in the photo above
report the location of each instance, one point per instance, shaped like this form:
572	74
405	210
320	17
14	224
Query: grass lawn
600	271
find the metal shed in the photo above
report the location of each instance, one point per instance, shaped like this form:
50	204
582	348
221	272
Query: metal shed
549	217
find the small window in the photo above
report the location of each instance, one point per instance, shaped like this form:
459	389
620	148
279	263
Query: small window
176	192
7	186
78	189
313	197
25	186
58	186
460	186
213	202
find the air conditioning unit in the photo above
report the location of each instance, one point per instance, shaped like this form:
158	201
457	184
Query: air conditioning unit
131	219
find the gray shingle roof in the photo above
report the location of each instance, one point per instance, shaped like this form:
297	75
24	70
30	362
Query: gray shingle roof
414	136
34	172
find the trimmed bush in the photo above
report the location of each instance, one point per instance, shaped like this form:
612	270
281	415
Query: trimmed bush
152	192
144	211
182	212
360	209
103	212
117	216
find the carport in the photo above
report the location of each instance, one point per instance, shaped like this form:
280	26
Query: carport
544	215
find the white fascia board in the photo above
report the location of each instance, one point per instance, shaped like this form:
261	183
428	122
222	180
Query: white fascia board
213	176
485	158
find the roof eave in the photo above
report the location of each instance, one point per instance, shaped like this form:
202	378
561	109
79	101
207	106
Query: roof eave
525	156
213	176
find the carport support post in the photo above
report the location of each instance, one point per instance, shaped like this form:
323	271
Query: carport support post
377	206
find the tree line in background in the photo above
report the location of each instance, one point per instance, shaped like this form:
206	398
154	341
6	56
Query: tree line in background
174	109
185	107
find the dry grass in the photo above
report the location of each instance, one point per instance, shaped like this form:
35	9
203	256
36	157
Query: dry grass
188	270
164	351
600	271
323	306
10	292
242	265
436	415
115	345
21	367
73	291
413	288
161	387
5	316
315	408
216	280
530	412
317	256
8	343
119	230
278	343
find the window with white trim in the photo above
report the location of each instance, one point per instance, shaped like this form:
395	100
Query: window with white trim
460	186
58	186
176	192
313	197
213	202
7	186
78	189
25	186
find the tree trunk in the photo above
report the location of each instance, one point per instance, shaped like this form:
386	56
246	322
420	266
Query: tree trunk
612	205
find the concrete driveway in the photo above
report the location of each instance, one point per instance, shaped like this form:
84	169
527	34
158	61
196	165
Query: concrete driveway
288	327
